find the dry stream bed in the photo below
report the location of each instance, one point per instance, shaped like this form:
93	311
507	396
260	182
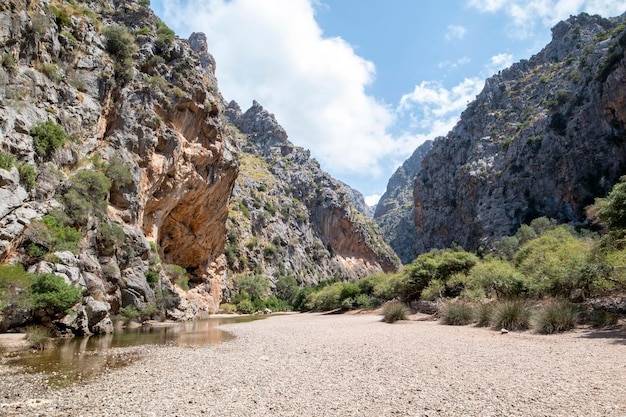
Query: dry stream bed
343	365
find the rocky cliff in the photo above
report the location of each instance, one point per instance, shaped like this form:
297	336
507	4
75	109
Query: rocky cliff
394	212
118	161
543	138
288	217
112	131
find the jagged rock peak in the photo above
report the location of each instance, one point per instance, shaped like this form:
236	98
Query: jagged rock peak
198	43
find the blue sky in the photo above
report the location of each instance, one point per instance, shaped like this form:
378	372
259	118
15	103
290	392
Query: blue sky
361	83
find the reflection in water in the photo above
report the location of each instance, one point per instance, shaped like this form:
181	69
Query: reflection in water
82	357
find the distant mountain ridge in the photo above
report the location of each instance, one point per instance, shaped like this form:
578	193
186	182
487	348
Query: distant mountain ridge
394	212
288	217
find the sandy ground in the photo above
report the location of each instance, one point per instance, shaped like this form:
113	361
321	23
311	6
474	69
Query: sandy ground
349	365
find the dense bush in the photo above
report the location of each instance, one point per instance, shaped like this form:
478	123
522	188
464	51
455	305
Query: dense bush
457	313
47	136
436	265
121	45
51	234
554	262
556	317
494	278
287	288
50	291
118	173
86	195
394	311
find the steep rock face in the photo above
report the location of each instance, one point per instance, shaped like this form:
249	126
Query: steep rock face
543	138
288	217
395	212
156	115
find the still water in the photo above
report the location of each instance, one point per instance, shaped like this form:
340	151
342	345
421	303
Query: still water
80	358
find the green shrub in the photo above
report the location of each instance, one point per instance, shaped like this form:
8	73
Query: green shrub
394	311
47	136
157	82
14	280
165	37
129	312
110	238
178	274
51	71
227	308
38	336
495	277
118	173
556	317
246	306
119	42
86	195
121	45
457	313
62	19
435	289
52	233
50	291
484	314
7	161
252	287
9	62
364	301
383	286
286	288
152	277
275	304
144	2
511	315
27	175
436	264
269	251
554	262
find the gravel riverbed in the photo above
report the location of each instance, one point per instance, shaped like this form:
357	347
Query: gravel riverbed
348	365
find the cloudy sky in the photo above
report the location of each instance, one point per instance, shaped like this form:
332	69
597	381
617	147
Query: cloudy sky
362	83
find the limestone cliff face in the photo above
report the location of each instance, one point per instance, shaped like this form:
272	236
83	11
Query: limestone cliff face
156	113
288	217
543	138
395	213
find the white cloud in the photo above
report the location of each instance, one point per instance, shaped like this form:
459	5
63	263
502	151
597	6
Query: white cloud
453	64
526	14
432	110
372	200
455	32
498	62
274	51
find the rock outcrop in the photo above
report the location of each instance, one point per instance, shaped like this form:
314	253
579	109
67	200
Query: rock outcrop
288	217
543	138
395	213
142	113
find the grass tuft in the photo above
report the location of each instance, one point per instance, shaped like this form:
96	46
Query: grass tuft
512	315
457	313
394	311
556	317
38	337
484	314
